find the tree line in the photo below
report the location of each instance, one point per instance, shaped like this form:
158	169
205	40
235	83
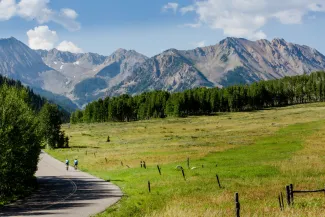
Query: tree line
205	101
27	121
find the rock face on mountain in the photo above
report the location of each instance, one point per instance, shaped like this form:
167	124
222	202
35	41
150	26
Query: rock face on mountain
91	75
167	71
19	62
86	77
232	61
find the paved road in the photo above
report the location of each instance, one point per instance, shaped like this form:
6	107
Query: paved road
64	193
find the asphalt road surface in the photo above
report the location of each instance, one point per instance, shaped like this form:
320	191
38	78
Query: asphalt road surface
64	193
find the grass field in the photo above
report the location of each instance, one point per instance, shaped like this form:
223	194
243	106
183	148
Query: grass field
254	153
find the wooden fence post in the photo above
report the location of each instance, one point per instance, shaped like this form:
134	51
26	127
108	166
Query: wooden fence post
288	194
291	194
237	204
158	169
218	181
282	200
183	174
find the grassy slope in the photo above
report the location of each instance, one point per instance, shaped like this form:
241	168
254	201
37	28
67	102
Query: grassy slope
256	154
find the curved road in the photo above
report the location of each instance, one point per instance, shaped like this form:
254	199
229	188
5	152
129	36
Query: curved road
64	193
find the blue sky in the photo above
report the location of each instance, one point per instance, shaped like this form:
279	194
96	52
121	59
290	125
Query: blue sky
151	26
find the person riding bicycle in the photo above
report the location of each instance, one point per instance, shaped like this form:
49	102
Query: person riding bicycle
75	163
67	163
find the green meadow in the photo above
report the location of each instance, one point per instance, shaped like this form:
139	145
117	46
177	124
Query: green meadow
254	153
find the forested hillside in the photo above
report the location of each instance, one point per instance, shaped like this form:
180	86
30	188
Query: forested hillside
206	101
35	101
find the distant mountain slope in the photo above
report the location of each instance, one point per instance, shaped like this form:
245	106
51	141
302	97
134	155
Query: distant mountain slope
232	61
19	62
260	60
75	67
116	68
167	71
60	100
84	77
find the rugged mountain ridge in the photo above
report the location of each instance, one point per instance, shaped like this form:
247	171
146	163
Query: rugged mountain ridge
90	75
232	61
85	77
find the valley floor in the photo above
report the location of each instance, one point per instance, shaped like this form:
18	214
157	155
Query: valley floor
254	153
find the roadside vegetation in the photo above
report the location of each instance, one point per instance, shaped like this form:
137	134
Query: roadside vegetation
254	153
26	122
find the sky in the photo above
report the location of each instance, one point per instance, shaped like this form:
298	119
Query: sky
152	26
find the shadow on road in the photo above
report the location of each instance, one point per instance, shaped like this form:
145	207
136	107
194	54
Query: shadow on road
60	193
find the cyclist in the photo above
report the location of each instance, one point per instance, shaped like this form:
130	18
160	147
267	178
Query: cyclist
75	164
67	163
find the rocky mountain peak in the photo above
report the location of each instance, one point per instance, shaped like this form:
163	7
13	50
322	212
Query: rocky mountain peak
279	41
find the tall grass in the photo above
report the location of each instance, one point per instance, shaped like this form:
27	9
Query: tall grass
255	154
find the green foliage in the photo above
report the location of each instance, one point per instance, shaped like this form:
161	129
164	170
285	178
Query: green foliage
50	127
204	101
19	141
35	101
20	137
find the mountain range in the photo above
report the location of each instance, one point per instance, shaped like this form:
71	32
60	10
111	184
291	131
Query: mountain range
73	80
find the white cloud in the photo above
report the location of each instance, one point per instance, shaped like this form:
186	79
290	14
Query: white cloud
193	25
69	13
42	37
187	9
69	46
7	9
293	16
170	6
199	44
38	10
246	18
34	9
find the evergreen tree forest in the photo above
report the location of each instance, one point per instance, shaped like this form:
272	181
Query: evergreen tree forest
206	101
25	121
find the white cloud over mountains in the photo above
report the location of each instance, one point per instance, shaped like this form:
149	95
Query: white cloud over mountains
7	9
245	18
38	10
42	37
69	46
